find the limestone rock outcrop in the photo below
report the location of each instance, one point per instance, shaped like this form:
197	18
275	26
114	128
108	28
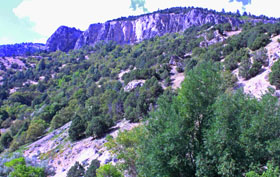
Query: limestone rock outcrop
129	31
63	39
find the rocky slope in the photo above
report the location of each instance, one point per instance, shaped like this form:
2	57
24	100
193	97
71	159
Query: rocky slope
258	85
62	154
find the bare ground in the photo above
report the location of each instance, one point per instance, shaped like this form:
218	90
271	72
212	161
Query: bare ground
258	85
62	154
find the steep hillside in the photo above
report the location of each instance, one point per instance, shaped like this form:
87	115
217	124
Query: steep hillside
61	106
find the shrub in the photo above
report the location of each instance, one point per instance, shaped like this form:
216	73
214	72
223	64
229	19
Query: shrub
77	170
17	141
124	146
108	170
35	129
255	69
244	68
270	172
6	139
15	127
1	148
260	41
261	56
210	35
77	128
97	127
20	169
91	171
231	62
62	117
274	76
7	123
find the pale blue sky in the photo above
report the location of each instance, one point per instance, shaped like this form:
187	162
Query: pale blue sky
36	20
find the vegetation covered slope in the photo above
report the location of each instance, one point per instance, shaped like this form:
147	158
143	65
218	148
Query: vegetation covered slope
189	132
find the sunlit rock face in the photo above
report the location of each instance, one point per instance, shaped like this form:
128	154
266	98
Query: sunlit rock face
63	39
148	26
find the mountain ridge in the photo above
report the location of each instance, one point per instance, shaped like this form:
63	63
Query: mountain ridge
134	29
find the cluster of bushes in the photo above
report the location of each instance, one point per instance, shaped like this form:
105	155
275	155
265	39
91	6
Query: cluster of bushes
18	166
205	133
94	170
274	76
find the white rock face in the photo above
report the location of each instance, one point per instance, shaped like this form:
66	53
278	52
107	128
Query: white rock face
133	84
145	27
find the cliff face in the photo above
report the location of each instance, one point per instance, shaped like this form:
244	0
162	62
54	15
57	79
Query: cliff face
145	27
64	39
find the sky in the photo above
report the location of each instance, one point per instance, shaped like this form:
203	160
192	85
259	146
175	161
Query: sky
36	20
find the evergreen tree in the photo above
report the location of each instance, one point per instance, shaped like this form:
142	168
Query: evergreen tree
77	128
76	171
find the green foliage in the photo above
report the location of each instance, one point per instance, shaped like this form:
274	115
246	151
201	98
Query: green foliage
139	74
6	139
274	76
244	68
261	56
1	148
108	170
16	126
77	128
210	35
260	41
125	147
255	69
35	129
77	170
63	116
174	132
241	136
20	169
232	60
91	171
91	89
97	127
271	171
229	80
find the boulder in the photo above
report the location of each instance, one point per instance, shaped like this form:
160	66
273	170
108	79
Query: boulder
133	84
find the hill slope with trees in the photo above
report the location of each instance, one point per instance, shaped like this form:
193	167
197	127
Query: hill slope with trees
207	127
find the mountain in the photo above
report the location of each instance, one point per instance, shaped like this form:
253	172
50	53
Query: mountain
21	49
130	30
146	27
107	103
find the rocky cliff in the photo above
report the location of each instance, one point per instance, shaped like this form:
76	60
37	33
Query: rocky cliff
147	26
64	39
